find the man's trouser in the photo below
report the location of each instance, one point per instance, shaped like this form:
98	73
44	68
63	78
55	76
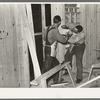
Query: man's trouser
50	62
78	51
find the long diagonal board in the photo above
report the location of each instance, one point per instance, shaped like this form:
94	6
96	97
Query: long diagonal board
28	36
37	72
41	81
88	82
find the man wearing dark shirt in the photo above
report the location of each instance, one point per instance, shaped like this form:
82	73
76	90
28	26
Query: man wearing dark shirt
52	37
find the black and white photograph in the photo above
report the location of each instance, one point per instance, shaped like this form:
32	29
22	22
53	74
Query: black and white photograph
50	45
50	49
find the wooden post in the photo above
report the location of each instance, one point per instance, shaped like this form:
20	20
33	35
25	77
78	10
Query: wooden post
43	26
23	61
31	46
70	74
30	20
43	83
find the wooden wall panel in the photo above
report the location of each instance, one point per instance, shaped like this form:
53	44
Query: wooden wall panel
58	9
83	22
14	62
1	46
90	14
7	62
9	69
98	31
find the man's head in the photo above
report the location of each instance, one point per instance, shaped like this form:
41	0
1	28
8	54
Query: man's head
79	28
57	20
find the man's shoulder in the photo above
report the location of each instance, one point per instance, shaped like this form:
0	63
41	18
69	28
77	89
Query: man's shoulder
53	29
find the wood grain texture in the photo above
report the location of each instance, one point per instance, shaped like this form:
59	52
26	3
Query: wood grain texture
14	62
90	14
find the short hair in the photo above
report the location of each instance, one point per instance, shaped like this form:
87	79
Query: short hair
56	19
79	27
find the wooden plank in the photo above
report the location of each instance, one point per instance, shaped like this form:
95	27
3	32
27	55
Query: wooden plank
31	46
95	33
89	20
98	31
9	43
83	23
30	20
8	73
7	65
88	82
43	17
21	58
70	74
88	35
1	46
18	23
59	85
49	73
14	25
13	47
25	46
33	53
43	27
63	14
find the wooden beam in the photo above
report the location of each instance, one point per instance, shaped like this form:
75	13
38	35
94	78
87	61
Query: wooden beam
30	20
23	60
60	84
28	35
48	74
88	82
37	72
70	74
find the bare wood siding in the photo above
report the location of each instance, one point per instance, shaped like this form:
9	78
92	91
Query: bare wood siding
58	9
14	64
90	14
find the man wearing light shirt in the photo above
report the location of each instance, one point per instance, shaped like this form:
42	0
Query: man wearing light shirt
78	40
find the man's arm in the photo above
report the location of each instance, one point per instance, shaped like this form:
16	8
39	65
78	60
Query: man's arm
58	37
75	38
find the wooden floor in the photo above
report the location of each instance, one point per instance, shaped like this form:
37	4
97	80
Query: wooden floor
68	82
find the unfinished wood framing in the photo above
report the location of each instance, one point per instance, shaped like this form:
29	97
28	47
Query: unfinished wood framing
17	36
58	9
14	61
90	14
87	84
41	81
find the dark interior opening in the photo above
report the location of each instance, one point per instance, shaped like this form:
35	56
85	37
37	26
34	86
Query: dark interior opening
39	50
37	17
48	14
31	67
37	21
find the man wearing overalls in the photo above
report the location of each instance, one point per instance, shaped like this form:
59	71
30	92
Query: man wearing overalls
52	37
